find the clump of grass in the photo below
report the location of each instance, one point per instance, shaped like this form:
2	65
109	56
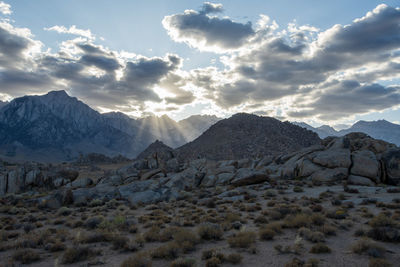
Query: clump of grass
183	262
186	240
373	262
213	262
295	262
266	234
210	231
119	242
94	222
153	234
168	251
298	189
320	248
26	256
381	220
365	246
234	258
242	240
138	260
318	219
315	237
77	254
64	211
298	220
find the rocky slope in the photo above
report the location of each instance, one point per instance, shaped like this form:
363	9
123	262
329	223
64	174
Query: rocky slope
59	122
244	136
56	127
355	159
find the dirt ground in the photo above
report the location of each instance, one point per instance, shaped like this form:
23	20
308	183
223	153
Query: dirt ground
359	229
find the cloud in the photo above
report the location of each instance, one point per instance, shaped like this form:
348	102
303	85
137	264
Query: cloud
343	98
377	31
200	30
306	72
103	78
208	8
5	8
16	45
296	71
72	30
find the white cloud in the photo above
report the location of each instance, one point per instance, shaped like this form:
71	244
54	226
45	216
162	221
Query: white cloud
72	30
5	8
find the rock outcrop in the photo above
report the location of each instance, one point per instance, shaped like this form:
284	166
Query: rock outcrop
353	159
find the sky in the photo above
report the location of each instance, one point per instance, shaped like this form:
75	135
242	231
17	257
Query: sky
321	62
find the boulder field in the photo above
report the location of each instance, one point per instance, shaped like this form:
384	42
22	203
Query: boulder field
354	159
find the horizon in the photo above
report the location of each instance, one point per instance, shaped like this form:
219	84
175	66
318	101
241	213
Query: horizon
296	64
338	129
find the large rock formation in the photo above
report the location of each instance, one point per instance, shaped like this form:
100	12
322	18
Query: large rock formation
247	136
355	158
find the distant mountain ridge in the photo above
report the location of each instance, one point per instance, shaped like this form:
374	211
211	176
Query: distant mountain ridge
58	127
380	129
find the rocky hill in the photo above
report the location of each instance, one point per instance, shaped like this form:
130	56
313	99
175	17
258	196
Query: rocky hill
244	136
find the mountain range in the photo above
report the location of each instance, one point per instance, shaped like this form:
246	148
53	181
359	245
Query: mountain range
55	127
58	127
381	129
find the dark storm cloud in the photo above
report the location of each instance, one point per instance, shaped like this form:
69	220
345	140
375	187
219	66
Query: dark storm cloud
202	31
13	45
104	63
21	82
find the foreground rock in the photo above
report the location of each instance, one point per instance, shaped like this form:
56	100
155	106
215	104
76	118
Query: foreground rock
355	159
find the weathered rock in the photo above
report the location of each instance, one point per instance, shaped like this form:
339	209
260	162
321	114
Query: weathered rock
149	174
82	182
265	161
145	197
58	182
136	186
246	176
332	158
224	163
13	182
365	164
225	169
3	184
329	175
208	180
306	168
152	163
359	180
172	165
244	163
189	178
31	176
391	160
224	178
